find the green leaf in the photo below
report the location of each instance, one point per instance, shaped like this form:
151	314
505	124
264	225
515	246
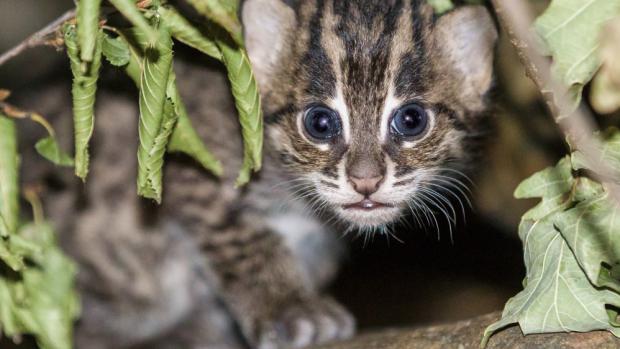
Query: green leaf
441	6
9	188
185	32
42	302
49	149
247	101
592	230
83	89
115	50
222	12
129	9
88	27
185	139
610	152
571	29
558	296
157	117
571	245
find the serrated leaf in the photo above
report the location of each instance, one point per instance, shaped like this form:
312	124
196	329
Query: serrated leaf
570	29
156	118
185	32
184	138
558	296
49	149
83	90
9	162
43	301
222	12
115	50
88	27
247	101
441	6
129	9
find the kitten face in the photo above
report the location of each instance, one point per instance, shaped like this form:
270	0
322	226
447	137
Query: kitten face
370	102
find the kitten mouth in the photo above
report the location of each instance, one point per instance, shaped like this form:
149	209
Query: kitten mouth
366	205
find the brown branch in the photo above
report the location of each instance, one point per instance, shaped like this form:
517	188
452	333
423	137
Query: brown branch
467	334
578	126
40	38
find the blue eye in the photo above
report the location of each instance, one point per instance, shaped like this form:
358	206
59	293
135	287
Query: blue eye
409	121
322	123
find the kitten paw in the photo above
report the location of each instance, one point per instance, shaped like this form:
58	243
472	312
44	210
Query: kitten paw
307	322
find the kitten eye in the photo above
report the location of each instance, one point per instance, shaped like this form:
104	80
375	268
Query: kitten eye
321	123
409	121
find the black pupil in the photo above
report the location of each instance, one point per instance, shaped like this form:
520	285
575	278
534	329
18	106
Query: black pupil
321	123
409	121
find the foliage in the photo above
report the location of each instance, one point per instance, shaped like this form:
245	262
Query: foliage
571	238
36	280
570	30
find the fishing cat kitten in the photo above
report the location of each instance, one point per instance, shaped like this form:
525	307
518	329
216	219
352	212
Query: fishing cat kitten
366	104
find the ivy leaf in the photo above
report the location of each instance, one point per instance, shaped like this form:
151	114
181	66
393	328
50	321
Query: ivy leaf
222	12
49	149
185	32
83	90
247	101
570	30
115	50
558	296
9	206
129	9
88	27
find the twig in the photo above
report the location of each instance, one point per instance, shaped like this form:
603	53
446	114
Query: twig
578	126
39	38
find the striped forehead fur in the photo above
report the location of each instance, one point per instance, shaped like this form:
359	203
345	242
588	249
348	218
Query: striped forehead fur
364	59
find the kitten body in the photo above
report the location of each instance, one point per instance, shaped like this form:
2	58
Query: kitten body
346	86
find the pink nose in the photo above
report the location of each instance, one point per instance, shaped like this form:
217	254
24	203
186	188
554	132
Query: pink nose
366	186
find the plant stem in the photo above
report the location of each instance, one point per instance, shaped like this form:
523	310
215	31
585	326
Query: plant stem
39	38
578	126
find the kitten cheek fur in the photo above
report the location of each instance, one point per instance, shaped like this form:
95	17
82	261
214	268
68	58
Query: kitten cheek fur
367	51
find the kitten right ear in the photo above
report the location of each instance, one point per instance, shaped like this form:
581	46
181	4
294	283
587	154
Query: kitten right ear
267	25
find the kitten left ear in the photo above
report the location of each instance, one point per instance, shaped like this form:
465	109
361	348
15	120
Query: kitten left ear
267	25
466	39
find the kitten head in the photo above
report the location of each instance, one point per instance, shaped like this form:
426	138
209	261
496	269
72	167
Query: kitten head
370	102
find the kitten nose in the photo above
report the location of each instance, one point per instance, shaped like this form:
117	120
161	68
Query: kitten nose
366	185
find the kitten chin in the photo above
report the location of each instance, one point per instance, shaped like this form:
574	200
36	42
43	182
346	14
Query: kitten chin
369	218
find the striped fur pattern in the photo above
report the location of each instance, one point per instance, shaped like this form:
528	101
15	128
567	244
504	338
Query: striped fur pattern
365	59
179	276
